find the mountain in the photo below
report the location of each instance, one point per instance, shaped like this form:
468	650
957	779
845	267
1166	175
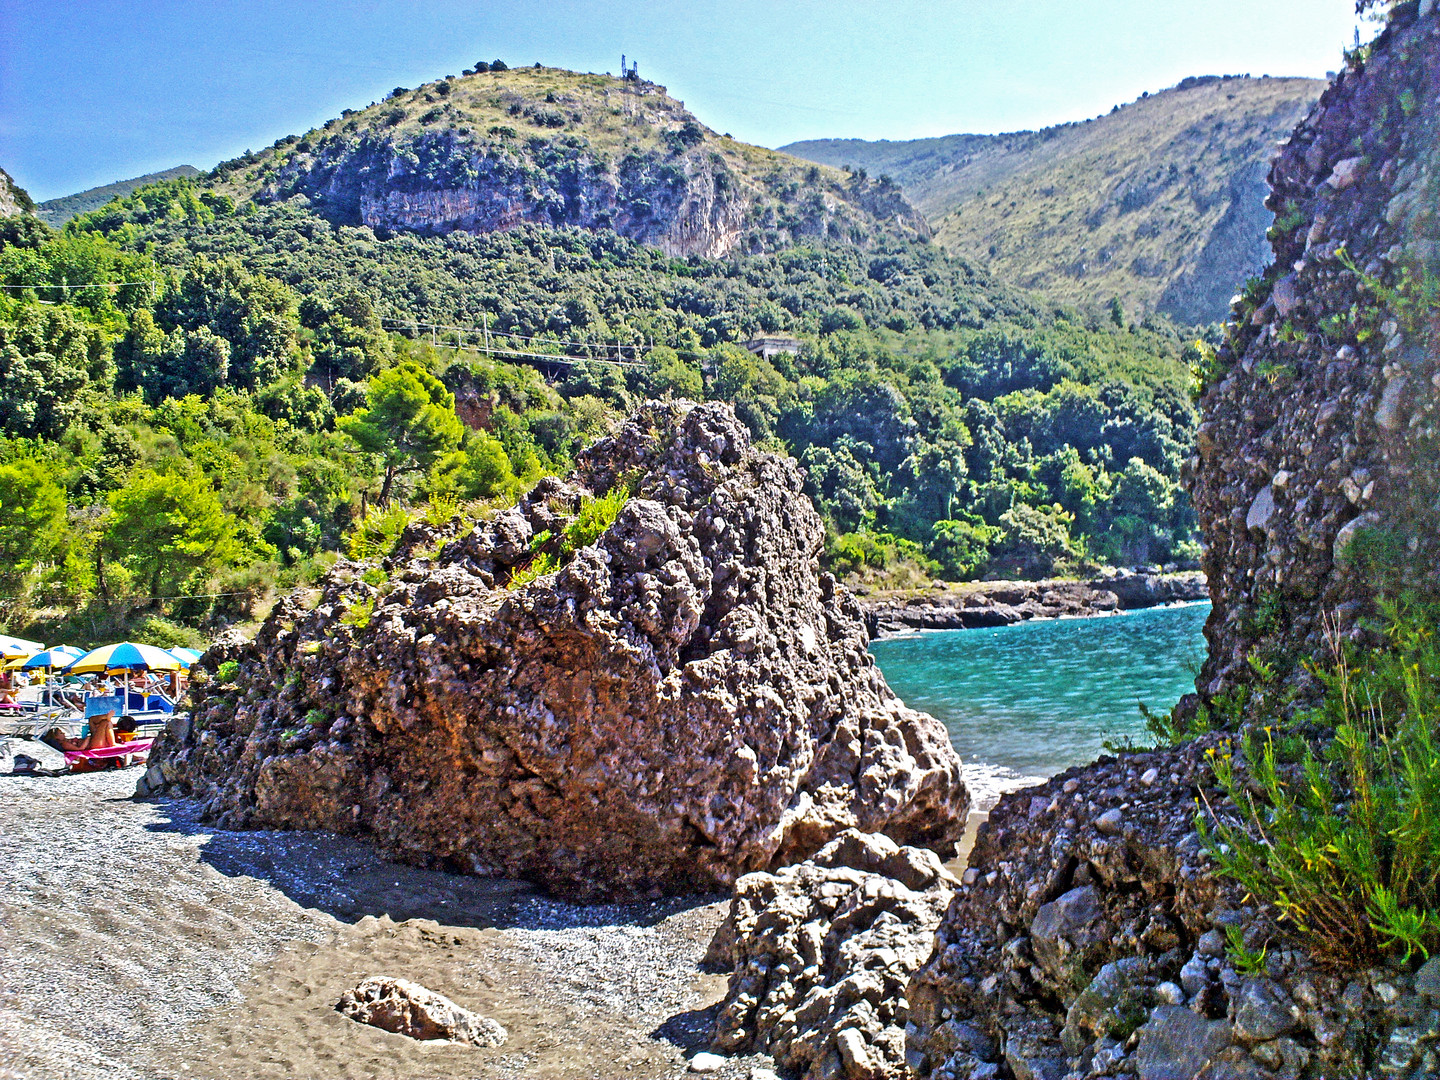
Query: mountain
1160	203
13	198
494	150
58	211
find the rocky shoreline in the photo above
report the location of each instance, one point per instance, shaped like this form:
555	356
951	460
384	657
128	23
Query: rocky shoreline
1001	603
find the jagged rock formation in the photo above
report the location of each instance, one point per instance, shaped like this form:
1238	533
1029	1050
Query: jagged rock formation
549	147
1091	938
686	699
1315	482
13	198
821	953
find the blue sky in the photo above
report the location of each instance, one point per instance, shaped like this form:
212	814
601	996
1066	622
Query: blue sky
92	92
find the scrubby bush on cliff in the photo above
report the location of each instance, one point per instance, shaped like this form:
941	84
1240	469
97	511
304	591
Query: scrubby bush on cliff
1344	842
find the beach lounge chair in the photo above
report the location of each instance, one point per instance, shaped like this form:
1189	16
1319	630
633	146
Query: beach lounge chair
138	749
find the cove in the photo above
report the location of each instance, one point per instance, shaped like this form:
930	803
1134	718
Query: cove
1038	697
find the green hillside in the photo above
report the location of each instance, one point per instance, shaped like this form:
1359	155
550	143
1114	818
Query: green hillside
1159	203
546	146
181	448
58	211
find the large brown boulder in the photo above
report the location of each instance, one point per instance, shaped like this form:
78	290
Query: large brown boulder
686	699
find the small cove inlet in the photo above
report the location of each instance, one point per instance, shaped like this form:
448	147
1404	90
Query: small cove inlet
1037	697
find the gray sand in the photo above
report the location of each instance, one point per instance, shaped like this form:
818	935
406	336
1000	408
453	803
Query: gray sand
137	943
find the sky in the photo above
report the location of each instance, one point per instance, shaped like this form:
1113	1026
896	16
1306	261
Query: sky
93	91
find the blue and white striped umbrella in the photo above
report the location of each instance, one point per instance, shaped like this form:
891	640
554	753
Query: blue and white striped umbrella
185	656
57	657
13	648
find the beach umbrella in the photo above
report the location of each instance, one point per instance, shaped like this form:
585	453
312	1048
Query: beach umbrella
124	657
49	660
185	656
57	657
13	648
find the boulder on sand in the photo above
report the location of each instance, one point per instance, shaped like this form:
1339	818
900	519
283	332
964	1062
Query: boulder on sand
409	1009
685	699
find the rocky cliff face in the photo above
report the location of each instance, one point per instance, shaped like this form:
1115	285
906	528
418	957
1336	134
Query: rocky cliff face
1316	482
686	698
1091	936
549	147
13	198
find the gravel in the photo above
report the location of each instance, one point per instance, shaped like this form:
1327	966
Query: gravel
127	924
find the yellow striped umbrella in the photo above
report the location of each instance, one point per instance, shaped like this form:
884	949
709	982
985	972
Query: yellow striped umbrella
57	657
14	648
124	656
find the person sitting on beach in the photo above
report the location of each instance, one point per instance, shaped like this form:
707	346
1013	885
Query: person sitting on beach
102	734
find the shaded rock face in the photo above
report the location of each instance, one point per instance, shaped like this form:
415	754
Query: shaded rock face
1315	479
409	1009
686	700
821	954
1089	939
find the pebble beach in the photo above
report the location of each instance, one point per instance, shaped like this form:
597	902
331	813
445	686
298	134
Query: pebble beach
137	943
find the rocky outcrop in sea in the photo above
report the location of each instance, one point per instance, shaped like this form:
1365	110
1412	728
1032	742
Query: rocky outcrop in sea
1002	603
675	701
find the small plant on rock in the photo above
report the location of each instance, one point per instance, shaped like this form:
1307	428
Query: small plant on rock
1247	961
359	614
1346	843
551	552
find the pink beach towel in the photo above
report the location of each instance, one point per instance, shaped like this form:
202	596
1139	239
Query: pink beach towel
140	747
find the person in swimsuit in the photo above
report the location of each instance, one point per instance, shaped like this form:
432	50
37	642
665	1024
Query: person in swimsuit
102	734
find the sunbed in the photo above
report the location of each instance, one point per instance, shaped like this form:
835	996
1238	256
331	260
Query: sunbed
136	748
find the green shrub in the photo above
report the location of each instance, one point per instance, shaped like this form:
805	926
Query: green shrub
594	517
551	552
227	671
359	614
376	534
1346	844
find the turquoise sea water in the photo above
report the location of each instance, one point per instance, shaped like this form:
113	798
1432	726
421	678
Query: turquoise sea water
1038	697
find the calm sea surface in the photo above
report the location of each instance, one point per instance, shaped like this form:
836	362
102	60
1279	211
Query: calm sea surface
1038	697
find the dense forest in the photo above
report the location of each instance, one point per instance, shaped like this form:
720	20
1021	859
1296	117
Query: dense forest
201	403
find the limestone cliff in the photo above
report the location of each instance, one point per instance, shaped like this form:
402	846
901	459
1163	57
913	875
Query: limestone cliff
13	198
1316	482
661	707
544	146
